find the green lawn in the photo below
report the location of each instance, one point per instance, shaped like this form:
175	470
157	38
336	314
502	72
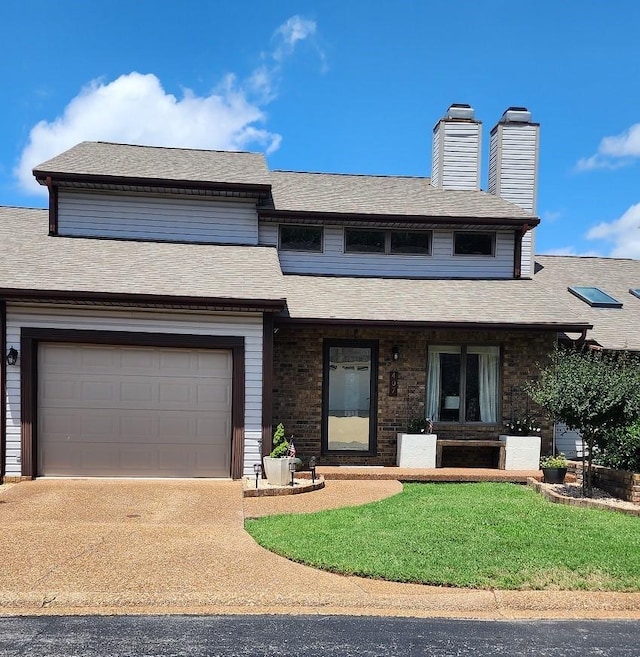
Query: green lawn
486	535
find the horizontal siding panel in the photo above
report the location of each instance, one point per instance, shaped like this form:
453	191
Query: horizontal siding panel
250	327
441	264
141	217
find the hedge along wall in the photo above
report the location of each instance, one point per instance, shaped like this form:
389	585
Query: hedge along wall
619	483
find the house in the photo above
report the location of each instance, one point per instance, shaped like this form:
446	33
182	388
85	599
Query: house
172	304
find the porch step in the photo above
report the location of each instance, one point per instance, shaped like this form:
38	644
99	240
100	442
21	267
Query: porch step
424	474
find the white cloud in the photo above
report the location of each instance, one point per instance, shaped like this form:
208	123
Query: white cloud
622	233
135	108
550	216
570	251
614	152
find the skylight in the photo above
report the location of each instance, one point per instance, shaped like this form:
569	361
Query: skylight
595	297
635	291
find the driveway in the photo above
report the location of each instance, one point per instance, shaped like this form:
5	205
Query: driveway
154	546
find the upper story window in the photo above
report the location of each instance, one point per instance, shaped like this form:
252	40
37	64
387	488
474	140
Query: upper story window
394	242
468	243
301	238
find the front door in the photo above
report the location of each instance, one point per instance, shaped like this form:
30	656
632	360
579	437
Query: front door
349	397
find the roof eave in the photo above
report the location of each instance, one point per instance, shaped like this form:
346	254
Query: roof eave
515	222
571	327
52	177
80	296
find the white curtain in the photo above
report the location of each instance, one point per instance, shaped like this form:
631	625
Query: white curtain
433	385
488	382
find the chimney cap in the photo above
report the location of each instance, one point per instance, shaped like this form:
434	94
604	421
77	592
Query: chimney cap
460	111
516	115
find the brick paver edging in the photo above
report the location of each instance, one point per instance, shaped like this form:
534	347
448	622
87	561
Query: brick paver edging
576	501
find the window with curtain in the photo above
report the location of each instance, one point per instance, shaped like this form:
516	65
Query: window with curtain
462	383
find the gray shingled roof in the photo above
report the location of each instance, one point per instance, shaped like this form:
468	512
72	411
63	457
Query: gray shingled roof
613	328
31	260
390	195
180	164
498	302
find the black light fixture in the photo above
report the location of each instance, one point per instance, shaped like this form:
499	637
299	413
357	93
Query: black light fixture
257	468
292	470
312	467
395	352
12	356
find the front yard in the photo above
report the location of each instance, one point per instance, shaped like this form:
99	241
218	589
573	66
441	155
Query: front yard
485	535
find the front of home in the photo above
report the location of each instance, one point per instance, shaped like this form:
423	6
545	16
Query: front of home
171	305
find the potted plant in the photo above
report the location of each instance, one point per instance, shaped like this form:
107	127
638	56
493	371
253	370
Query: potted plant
554	468
276	465
417	447
522	441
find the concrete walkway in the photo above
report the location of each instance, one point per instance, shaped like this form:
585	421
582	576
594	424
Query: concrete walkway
142	546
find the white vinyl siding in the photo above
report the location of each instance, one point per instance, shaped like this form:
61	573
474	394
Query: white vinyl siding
210	220
440	264
247	326
456	155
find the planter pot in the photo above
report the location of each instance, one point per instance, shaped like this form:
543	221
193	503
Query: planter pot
277	470
554	475
521	452
416	450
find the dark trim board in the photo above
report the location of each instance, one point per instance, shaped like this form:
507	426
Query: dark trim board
3	388
267	384
31	337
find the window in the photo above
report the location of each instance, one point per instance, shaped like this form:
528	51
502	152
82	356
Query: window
301	238
410	242
474	243
394	242
462	383
595	297
364	241
635	291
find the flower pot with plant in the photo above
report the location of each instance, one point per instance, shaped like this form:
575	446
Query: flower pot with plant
554	468
417	447
277	464
522	443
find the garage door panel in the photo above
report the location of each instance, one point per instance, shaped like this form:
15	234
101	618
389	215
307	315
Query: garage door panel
133	411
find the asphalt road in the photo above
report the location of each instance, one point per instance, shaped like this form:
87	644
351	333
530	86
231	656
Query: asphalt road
195	636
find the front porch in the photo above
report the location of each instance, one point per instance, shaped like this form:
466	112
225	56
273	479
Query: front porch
459	475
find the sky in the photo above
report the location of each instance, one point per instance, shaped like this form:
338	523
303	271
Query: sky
347	86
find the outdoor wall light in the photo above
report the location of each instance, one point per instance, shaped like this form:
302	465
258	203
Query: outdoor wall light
12	356
257	468
292	470
395	352
312	467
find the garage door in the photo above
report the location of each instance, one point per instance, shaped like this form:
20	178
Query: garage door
134	411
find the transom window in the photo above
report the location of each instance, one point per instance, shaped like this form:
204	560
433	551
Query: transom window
462	383
301	238
393	242
468	243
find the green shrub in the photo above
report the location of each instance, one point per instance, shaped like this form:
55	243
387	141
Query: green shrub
280	443
621	450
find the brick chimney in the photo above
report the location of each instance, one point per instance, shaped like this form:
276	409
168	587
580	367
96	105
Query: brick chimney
456	150
513	169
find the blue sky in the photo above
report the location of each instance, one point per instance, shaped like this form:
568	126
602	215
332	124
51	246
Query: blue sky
351	86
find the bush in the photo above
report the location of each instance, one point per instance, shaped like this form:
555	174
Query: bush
621	449
280	443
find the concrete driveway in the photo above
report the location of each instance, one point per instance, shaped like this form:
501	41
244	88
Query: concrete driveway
154	546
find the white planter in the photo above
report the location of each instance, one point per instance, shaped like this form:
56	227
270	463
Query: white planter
416	450
521	452
277	470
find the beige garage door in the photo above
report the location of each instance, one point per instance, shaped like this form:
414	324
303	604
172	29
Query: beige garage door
133	411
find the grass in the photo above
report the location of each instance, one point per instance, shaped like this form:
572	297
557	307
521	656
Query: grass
482	535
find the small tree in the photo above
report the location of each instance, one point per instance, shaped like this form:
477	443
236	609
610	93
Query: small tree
592	391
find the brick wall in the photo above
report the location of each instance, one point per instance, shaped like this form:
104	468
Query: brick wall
619	483
297	391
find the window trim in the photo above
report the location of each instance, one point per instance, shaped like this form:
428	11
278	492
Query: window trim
576	291
463	346
387	242
491	233
283	248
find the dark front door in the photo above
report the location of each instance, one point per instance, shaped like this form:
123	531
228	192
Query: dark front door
349	404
